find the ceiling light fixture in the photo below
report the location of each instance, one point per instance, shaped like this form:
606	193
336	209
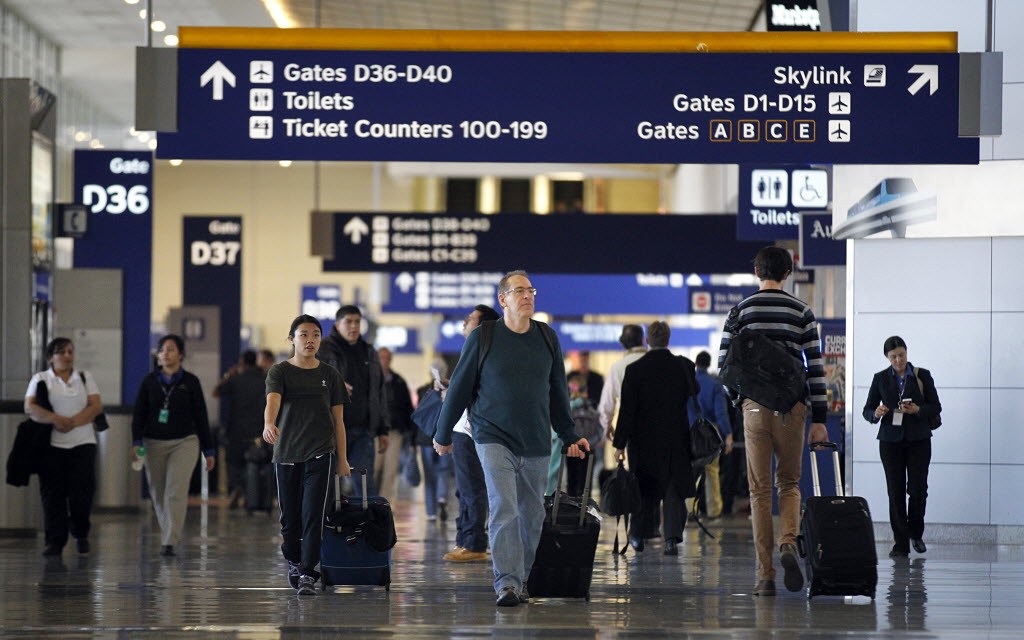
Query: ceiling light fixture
171	40
152	144
285	163
279	14
158	25
176	162
131	1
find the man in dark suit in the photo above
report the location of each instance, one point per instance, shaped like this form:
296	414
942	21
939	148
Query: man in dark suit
653	423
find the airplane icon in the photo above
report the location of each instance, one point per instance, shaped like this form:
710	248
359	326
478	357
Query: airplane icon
839	102
838	130
261	71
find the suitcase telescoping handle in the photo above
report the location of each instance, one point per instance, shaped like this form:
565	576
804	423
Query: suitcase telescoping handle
818	446
337	490
584	499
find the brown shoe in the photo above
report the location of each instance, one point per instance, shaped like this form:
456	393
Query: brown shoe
465	555
454	553
765	588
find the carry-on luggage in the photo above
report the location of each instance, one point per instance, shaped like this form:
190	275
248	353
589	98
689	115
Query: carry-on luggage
260	478
564	564
837	539
357	541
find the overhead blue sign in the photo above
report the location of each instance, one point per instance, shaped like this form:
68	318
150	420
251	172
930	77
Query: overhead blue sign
772	198
817	248
212	269
321	301
558	294
398	339
481	243
471	106
117	189
577	336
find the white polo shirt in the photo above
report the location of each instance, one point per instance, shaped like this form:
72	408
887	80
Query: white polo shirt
67	399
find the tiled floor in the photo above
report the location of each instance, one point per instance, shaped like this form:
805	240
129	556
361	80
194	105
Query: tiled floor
228	581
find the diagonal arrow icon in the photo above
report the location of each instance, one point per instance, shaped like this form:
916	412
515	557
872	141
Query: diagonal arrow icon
355	229
218	74
929	75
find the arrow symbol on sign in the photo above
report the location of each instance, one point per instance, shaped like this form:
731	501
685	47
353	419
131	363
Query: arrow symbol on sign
218	74
405	281
355	229
929	75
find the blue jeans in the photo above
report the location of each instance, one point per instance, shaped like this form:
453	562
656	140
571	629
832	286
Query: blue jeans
515	491
471	489
435	478
361	455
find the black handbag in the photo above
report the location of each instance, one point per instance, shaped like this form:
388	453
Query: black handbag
705	443
620	497
99	423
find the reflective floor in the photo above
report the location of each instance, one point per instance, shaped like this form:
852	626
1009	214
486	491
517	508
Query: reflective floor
228	581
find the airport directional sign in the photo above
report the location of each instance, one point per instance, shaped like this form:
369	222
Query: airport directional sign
579	107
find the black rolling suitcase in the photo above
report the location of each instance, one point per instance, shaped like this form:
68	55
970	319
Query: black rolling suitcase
357	541
837	539
564	564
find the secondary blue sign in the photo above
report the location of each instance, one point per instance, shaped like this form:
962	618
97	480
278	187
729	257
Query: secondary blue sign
773	198
116	187
321	301
463	106
578	336
212	254
559	294
817	248
480	243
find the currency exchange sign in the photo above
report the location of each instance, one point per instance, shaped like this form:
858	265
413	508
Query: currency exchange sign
459	106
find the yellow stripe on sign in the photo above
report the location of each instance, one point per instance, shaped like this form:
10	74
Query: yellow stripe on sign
565	41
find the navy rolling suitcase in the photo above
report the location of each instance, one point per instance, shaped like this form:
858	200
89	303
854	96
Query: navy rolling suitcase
837	539
357	541
564	564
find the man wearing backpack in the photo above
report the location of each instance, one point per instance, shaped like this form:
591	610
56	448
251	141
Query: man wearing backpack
513	373
791	323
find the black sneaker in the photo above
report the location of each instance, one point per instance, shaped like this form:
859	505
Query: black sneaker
83	546
524	596
442	511
167	550
293	574
307	586
507	597
794	579
52	550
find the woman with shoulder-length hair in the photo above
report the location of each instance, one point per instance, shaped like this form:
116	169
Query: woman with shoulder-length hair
67	479
904	400
171	424
304	420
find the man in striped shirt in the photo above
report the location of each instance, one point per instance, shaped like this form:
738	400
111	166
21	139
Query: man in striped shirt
791	322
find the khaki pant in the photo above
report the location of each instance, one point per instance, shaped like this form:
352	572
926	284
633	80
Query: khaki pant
767	433
169	465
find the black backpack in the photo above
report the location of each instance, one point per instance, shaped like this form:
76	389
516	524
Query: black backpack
763	370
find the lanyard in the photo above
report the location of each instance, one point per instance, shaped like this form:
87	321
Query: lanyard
167	393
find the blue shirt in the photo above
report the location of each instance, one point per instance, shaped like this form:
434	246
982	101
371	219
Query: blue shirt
520	394
712	401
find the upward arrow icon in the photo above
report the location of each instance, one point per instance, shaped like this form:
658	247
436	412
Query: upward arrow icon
355	229
218	74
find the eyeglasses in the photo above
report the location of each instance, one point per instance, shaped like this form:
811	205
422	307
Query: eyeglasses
519	292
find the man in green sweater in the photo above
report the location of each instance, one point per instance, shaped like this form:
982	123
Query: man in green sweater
516	395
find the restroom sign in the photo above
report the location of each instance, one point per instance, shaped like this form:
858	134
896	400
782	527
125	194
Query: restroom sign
773	199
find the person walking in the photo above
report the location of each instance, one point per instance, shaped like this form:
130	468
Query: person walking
67	476
171	425
790	322
305	422
518	394
901	401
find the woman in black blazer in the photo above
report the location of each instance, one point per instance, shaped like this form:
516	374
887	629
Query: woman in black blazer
904	399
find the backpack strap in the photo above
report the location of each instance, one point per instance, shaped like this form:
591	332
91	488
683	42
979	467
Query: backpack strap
486	329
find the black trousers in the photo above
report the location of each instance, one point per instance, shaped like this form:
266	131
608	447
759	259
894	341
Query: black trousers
304	490
906	477
471	490
67	485
673	520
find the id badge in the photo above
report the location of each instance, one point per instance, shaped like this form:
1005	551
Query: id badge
164	416
897	418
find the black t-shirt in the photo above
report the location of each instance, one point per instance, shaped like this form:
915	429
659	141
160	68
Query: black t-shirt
305	420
